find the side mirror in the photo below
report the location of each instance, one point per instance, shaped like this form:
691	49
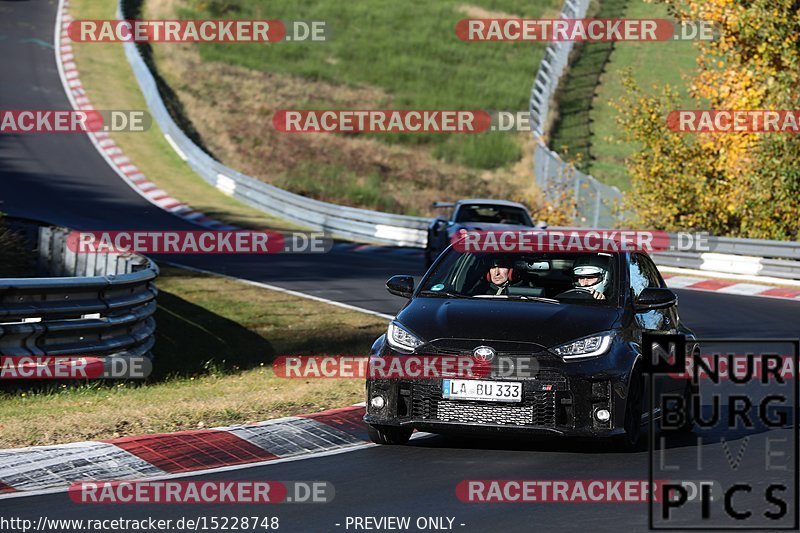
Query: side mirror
401	286
654	298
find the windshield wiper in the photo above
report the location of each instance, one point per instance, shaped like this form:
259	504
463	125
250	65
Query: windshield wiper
533	298
442	293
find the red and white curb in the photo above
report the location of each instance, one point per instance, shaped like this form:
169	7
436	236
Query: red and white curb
25	470
726	286
70	78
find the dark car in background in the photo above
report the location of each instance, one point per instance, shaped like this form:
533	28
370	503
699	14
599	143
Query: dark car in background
585	349
473	214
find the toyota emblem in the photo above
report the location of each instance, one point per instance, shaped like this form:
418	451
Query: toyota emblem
485	353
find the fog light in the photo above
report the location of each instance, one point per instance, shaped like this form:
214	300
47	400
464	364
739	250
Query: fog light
377	402
603	415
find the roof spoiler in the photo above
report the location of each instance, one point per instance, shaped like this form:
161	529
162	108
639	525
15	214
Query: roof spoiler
439	205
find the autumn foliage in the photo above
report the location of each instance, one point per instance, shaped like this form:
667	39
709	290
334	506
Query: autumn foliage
737	184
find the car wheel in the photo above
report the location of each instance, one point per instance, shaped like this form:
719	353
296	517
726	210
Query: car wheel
388	434
632	439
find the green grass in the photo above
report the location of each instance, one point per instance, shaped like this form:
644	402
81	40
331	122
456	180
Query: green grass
215	341
592	129
333	183
484	151
409	49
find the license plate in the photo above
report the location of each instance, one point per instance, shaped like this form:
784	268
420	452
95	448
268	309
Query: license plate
487	391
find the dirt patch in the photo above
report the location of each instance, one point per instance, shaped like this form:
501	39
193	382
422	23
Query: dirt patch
518	182
478	12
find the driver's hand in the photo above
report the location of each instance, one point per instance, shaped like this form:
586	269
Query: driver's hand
597	295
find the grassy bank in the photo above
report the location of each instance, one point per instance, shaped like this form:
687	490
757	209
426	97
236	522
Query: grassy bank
216	339
588	123
381	55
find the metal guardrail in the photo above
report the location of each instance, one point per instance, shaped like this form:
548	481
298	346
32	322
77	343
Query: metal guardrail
361	225
755	257
551	68
723	263
756	247
99	304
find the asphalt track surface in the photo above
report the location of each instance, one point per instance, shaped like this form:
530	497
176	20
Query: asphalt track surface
61	179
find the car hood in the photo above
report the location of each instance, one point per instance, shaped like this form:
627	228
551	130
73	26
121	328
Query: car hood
540	323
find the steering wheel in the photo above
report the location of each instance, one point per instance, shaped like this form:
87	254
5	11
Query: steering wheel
582	294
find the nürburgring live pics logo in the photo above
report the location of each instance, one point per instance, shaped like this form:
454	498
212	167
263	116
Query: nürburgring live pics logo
744	447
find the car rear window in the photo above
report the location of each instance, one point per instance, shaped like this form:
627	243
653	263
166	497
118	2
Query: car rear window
493	214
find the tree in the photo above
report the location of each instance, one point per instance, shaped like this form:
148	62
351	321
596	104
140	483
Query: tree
739	184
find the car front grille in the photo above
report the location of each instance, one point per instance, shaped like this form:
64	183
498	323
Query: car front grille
538	408
470	412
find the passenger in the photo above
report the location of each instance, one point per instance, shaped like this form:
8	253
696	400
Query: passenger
592	278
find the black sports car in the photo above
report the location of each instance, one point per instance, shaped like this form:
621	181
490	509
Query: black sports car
574	319
473	214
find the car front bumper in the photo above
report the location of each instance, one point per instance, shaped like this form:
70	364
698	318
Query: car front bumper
558	399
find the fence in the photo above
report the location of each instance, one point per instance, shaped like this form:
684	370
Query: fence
595	202
98	304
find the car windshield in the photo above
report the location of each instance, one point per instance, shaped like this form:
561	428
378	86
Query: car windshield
575	278
496	214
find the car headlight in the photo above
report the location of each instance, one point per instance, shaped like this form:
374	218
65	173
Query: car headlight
400	339
585	347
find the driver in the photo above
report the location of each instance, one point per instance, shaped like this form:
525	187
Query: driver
592	278
500	275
